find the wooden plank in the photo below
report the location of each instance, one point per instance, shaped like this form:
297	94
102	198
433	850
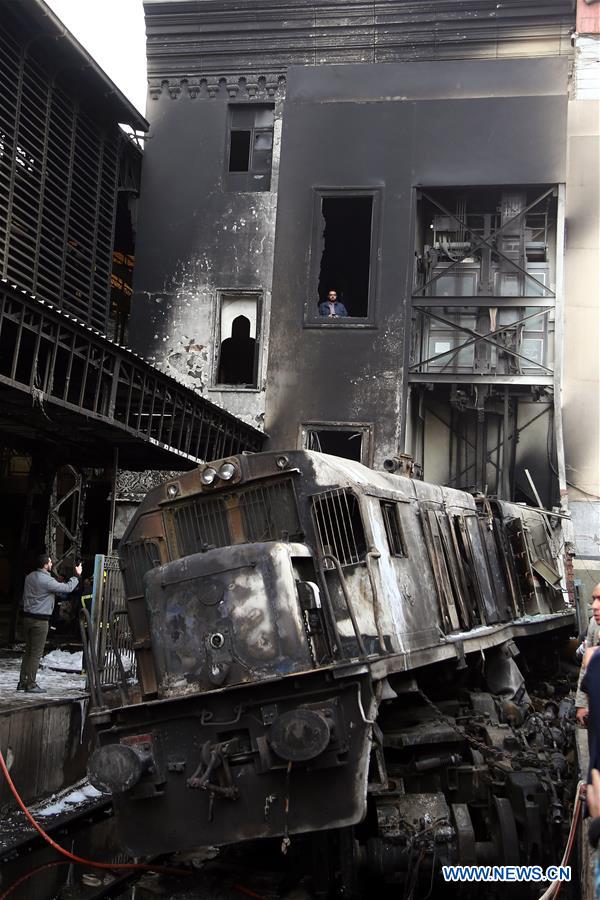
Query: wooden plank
56	730
24	740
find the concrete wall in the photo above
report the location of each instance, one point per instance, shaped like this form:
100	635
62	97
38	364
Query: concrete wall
581	400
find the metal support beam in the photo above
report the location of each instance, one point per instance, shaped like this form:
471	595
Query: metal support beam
527	380
65	519
480	337
487	241
488	302
559	336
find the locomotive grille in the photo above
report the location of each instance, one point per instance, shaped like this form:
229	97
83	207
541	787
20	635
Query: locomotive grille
270	512
339	526
139	559
201	525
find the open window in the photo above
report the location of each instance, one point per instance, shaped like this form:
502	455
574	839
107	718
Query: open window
347	441
393	528
343	257
250	150
238	340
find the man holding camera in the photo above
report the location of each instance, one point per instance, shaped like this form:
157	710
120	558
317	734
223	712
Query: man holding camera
39	597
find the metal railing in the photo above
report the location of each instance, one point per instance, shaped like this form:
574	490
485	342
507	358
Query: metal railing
112	641
66	366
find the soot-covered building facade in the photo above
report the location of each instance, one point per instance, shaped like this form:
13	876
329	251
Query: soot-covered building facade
411	156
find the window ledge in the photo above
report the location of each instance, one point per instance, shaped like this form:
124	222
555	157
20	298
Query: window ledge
234	388
346	322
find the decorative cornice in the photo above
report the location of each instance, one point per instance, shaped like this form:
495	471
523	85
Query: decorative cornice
133	486
213	39
263	87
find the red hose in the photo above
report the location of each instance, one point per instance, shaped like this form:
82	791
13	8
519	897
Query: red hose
163	870
28	875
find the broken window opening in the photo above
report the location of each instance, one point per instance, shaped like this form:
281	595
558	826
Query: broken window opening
238	342
345	260
239	151
344	442
251	146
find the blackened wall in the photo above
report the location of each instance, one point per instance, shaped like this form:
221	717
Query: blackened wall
389	127
198	237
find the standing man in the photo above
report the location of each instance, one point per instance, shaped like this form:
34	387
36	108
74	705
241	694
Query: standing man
592	639
39	594
332	308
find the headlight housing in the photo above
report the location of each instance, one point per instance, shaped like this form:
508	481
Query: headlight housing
227	471
208	476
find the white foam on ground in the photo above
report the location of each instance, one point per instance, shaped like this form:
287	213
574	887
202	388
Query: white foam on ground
66	800
63	660
57	684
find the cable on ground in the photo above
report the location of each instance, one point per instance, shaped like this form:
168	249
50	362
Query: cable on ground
146	867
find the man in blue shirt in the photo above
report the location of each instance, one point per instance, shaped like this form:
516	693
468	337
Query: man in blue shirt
332	308
39	596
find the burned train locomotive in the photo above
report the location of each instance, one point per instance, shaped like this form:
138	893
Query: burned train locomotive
320	646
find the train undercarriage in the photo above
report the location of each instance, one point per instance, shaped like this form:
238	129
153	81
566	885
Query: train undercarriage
470	763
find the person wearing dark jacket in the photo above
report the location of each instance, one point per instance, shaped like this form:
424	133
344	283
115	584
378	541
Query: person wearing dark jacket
593	805
590	684
332	308
39	597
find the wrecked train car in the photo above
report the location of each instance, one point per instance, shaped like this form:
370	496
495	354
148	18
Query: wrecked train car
321	645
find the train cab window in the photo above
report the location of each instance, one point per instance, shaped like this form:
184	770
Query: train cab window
393	528
139	558
339	527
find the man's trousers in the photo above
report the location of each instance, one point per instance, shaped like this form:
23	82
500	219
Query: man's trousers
35	632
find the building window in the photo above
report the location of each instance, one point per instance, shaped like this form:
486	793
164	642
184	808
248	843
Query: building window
250	152
344	256
346	441
393	528
238	325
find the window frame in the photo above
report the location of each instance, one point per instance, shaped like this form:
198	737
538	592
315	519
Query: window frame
394	508
247	180
256	294
311	317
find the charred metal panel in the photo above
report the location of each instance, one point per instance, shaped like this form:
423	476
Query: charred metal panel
224	617
388	129
251	792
